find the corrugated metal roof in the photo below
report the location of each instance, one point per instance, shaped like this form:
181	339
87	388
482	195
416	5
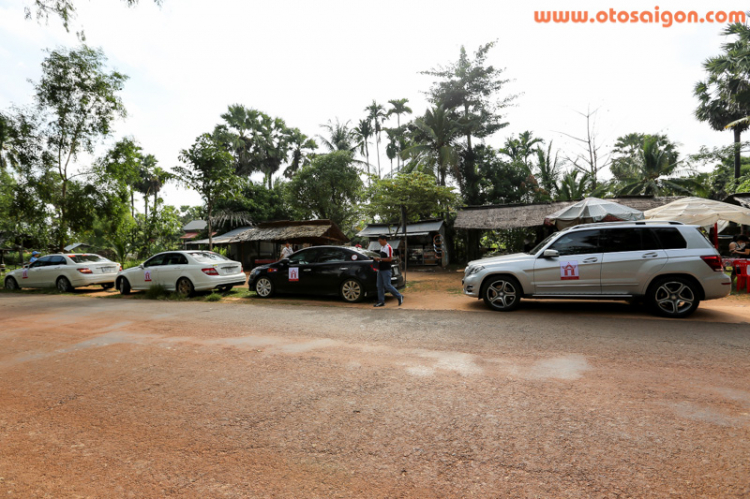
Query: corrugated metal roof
413	229
195	225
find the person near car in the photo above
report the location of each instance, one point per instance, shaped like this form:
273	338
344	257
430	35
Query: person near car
384	273
743	247
286	251
34	256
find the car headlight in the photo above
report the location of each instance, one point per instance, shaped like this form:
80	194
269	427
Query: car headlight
474	270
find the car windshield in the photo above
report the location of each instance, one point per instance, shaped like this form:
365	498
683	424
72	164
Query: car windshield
208	257
541	245
87	258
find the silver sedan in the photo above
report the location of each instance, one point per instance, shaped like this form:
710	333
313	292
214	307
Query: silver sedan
65	272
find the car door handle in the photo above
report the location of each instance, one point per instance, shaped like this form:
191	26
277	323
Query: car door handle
591	260
650	255
306	270
343	268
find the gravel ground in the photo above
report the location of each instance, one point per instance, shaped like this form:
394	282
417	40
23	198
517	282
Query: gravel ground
135	398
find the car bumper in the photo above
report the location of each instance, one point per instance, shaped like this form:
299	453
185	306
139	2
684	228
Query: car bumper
213	282
84	280
718	285
471	285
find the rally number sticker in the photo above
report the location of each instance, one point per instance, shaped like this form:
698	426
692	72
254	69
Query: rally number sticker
569	271
147	275
293	274
354	257
25	273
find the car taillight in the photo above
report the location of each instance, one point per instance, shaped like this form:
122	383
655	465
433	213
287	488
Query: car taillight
714	262
210	271
84	270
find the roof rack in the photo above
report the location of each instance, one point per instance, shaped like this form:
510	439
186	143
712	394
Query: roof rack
627	222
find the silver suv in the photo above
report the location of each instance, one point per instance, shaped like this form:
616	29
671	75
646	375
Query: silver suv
670	266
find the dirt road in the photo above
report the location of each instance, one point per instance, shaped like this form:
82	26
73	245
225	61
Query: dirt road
135	398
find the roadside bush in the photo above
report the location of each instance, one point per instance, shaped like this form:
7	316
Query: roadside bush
214	297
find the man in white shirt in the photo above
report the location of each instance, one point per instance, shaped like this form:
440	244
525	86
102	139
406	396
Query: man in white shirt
286	251
384	273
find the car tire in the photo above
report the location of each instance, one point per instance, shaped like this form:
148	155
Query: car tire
352	291
63	285
109	285
674	297
502	293
123	285
185	288
264	287
11	284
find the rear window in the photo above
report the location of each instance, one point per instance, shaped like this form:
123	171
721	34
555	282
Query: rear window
369	254
87	258
208	257
670	238
627	239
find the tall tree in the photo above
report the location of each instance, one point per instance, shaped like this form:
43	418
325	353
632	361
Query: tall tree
520	150
376	114
398	107
363	132
329	187
301	147
548	171
472	87
210	171
77	102
591	161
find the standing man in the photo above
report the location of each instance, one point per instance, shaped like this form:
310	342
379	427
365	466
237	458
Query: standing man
384	273
286	251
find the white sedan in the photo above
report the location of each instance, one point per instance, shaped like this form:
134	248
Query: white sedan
65	271
184	272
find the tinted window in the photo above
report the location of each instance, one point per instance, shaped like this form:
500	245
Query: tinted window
577	243
58	260
40	262
208	257
175	259
155	261
87	258
304	256
670	238
368	255
332	255
627	239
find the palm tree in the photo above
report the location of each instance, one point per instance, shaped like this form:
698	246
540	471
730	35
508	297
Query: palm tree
436	143
363	132
725	95
549	170
519	150
655	161
376	115
398	108
299	142
238	132
342	138
573	188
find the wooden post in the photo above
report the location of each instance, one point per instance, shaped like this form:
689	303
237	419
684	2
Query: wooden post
716	235
405	252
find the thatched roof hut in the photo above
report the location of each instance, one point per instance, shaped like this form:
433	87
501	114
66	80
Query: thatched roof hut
515	216
296	232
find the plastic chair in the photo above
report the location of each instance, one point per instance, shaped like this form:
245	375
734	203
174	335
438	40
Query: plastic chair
740	269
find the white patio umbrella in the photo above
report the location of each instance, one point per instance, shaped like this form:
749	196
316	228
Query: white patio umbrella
699	211
703	212
592	210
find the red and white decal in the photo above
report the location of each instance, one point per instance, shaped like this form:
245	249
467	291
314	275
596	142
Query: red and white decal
569	271
354	257
147	275
293	274
25	273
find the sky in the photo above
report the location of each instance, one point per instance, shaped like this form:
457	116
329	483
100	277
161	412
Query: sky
310	62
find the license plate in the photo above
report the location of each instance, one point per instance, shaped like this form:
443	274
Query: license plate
107	270
230	270
395	271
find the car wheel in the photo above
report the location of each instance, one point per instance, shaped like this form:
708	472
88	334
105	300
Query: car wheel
11	284
351	291
264	287
674	297
124	286
185	287
63	285
502	293
109	285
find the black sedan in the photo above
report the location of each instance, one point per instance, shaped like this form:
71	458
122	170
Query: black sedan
323	270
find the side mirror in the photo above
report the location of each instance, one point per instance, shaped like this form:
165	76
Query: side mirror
140	266
551	253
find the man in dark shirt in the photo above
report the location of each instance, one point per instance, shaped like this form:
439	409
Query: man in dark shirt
384	273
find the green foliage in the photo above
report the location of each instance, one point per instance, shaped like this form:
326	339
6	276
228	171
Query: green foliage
416	192
156	292
214	297
328	188
259	203
501	182
435	146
